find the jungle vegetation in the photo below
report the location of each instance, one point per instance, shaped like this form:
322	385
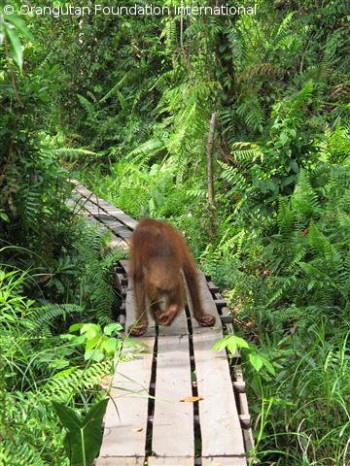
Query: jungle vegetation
124	103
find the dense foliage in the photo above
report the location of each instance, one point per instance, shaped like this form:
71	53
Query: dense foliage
124	103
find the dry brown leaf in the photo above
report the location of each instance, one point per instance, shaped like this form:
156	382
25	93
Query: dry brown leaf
191	399
106	382
137	429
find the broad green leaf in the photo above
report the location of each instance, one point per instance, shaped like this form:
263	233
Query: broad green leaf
112	328
96	413
220	344
110	346
84	436
75	327
240	342
256	361
69	418
231	342
94	355
64	373
80	340
269	367
14	44
20	26
92	342
90	330
4	217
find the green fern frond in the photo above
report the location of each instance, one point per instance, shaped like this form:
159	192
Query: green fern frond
72	152
244	152
147	150
260	70
88	106
46	315
15	453
68	382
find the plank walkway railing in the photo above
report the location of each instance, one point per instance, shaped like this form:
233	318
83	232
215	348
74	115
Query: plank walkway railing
146	422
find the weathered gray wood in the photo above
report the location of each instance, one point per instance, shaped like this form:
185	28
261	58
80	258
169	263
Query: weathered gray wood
92	208
249	441
118	228
220	303
227	320
120	461
130	311
95	211
125	264
239	386
83	190
112	210
112	222
127	411
220	425
224	461
178	327
118	243
173	433
208	305
119	214
213	288
170	461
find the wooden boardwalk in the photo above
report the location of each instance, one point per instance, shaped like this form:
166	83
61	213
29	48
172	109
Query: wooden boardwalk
152	417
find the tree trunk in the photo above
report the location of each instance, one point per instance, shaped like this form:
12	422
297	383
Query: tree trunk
210	175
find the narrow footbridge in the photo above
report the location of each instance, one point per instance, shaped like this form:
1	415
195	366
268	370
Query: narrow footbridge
179	403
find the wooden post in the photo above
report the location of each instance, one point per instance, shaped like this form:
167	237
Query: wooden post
210	175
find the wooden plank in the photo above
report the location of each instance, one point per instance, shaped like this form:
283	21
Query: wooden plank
220	425
208	305
120	461
127	411
224	461
125	264
109	208
118	240
130	312
249	441
112	222
173	433
118	228
83	190
118	243
220	303
239	386
212	287
93	211
119	214
178	327
170	461
91	207
125	234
